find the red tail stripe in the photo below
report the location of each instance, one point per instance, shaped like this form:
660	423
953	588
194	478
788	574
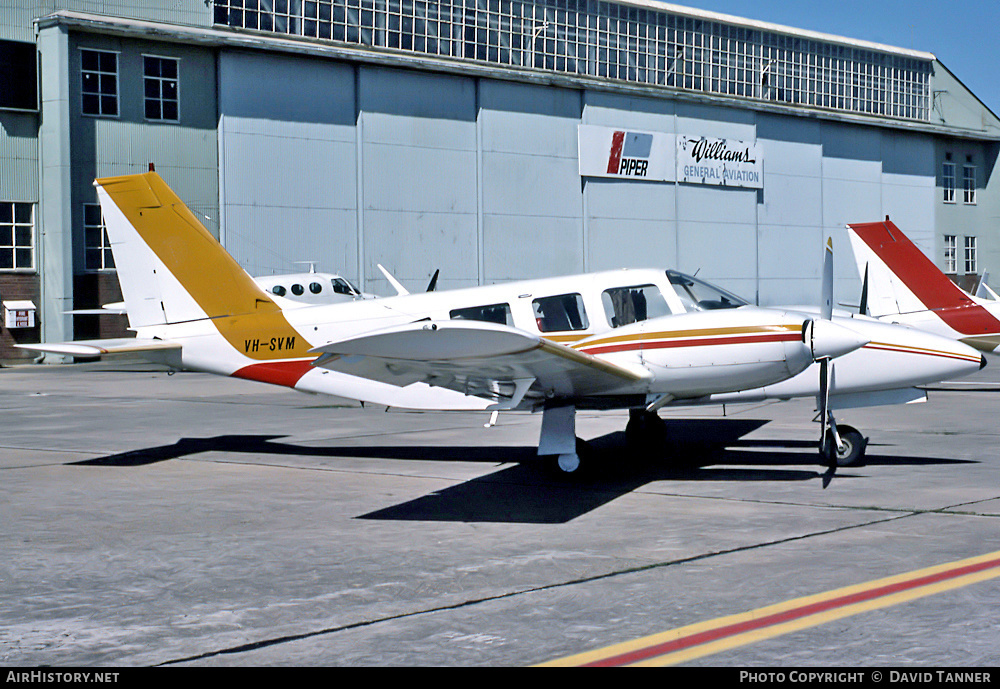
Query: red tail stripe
925	280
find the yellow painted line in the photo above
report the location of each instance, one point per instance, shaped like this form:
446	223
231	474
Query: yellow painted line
724	633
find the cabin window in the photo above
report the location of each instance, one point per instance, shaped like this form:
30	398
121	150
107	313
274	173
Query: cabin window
342	286
561	312
298	290
279	290
493	313
315	287
624	305
697	295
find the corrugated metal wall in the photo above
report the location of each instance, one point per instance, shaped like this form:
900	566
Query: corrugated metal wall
353	165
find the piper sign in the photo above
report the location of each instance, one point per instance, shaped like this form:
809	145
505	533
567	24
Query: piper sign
622	153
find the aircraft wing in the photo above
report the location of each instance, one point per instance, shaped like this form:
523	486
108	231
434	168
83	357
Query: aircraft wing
146	347
476	358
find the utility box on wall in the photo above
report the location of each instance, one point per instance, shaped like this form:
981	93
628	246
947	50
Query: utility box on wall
19	314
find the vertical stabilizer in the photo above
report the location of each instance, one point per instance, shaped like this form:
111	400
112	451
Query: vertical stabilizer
170	267
172	270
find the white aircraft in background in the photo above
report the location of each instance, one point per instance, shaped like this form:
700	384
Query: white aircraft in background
902	285
635	339
310	288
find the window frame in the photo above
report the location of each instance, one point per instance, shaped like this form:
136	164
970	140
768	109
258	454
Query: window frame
160	80
951	254
99	73
105	244
14	246
970	257
969	184
948	181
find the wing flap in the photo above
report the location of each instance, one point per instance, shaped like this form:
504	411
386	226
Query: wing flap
476	358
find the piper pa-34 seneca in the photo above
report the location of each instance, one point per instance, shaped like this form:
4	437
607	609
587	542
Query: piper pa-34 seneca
635	339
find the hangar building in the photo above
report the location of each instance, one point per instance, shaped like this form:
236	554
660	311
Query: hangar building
490	139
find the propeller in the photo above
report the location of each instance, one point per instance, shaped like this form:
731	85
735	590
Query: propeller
827	450
863	307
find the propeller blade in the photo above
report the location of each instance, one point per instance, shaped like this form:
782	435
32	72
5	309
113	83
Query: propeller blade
863	307
827	446
434	280
826	310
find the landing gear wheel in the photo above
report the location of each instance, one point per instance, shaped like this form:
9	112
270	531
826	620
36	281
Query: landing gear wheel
852	450
645	431
575	462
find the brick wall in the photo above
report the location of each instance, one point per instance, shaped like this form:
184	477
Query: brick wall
14	287
92	291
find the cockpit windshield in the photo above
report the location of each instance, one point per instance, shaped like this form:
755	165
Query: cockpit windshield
698	295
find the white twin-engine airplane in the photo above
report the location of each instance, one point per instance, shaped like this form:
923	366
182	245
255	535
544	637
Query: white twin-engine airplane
635	339
904	286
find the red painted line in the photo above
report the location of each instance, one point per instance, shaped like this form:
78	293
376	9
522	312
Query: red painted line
694	342
925	280
617	140
286	373
792	614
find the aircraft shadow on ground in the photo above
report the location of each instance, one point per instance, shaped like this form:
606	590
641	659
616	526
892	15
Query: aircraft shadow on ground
531	490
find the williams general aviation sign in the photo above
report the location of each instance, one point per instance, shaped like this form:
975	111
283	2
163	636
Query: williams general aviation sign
663	157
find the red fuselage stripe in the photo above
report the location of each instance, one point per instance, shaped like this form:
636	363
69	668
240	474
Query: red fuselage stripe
692	342
922	277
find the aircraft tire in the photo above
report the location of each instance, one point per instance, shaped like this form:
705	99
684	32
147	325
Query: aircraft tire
645	432
854	444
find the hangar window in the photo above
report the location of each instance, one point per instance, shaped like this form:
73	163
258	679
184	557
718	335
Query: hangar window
493	313
561	312
97	247
971	260
950	253
614	41
948	181
99	82
969	184
160	87
624	305
18	75
17	236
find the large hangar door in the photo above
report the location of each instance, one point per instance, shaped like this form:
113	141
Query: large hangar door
287	169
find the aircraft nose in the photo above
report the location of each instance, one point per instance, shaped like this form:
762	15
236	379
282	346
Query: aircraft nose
828	339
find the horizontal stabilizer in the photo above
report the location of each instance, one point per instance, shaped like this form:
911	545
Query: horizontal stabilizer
118	345
474	358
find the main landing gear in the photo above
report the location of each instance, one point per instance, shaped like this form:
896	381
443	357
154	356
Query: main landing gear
842	445
645	432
